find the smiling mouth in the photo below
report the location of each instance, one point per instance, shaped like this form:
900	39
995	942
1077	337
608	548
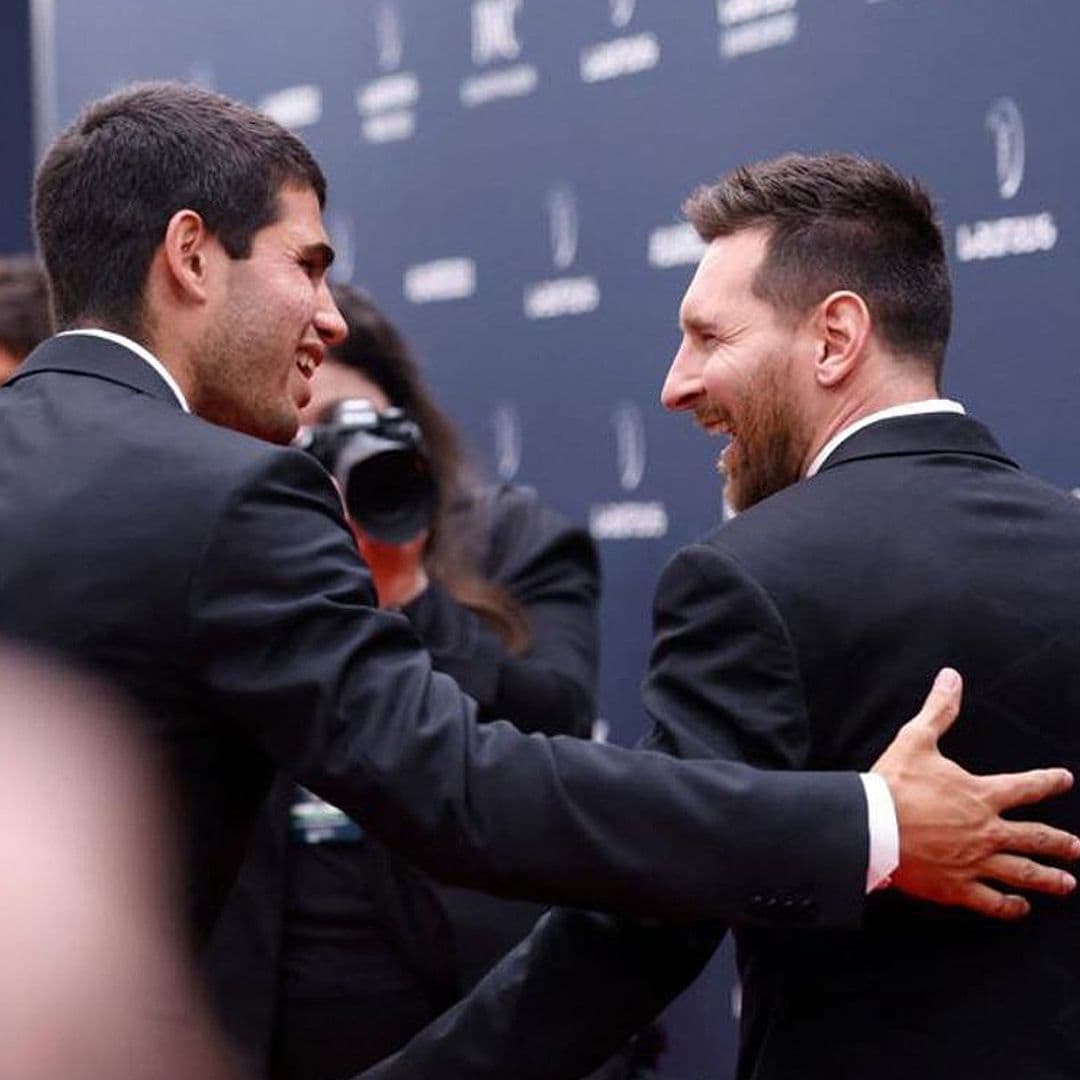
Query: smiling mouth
308	364
714	422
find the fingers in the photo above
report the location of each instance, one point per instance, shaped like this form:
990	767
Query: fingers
1028	874
985	900
1020	789
942	704
1034	838
1015	871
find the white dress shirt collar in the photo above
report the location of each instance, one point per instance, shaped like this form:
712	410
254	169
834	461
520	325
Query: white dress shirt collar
140	351
912	408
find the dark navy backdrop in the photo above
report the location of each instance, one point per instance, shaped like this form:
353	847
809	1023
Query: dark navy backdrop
506	176
15	127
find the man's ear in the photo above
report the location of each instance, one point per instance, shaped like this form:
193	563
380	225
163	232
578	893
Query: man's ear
187	253
843	327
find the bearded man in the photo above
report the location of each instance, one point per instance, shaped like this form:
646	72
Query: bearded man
813	335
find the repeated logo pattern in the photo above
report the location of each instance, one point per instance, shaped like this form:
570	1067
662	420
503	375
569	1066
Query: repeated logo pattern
505	176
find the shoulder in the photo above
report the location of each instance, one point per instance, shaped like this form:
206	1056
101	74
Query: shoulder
705	582
773	550
213	458
805	513
196	476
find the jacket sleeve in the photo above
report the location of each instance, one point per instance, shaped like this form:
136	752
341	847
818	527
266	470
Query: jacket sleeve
551	568
282	634
561	1003
722	682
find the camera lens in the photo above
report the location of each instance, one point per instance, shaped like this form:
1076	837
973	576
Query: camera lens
391	495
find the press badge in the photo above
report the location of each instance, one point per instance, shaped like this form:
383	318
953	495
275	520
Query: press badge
315	821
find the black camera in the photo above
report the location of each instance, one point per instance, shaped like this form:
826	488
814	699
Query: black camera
381	464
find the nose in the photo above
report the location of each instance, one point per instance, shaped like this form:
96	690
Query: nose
329	322
683	386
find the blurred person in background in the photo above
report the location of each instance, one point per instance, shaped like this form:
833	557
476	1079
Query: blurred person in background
95	983
338	945
25	320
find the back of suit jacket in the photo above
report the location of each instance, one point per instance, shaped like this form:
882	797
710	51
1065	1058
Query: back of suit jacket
918	545
799	635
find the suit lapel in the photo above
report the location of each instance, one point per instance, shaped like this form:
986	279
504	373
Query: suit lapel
84	354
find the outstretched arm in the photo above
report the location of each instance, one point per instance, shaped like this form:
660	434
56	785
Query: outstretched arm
284	636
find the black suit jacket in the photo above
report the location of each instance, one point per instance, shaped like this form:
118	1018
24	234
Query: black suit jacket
445	938
795	637
212	576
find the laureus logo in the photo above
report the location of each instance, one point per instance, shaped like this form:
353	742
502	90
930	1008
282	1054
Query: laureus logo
628	518
1020	234
629	427
389	39
562	225
1006	125
494	30
496	41
622	11
562	295
387	104
506	430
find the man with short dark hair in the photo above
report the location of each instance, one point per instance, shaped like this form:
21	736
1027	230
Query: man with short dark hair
211	574
24	310
813	335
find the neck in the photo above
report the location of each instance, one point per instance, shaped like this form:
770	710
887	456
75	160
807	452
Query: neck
171	351
893	388
170	354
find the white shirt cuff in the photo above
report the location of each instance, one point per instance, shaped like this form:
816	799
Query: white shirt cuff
883	829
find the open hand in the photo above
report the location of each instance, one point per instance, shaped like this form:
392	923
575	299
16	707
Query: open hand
953	839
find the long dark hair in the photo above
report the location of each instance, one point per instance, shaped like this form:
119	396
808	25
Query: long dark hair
376	349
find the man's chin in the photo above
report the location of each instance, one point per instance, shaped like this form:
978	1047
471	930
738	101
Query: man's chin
279	428
285	432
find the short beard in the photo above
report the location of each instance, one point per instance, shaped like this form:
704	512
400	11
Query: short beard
771	441
230	397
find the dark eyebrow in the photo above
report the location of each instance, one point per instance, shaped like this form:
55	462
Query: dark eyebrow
320	253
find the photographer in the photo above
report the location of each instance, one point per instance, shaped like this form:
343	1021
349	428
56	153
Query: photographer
330	943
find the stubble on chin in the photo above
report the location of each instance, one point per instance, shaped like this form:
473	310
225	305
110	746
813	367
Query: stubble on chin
232	395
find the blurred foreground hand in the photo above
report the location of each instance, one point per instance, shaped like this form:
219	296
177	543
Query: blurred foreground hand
94	983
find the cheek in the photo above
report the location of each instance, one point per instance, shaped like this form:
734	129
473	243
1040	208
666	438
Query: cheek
723	380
